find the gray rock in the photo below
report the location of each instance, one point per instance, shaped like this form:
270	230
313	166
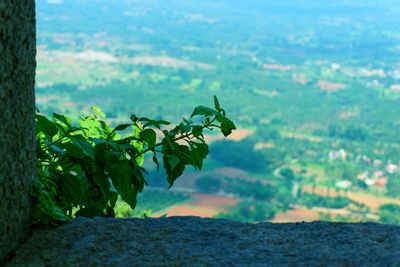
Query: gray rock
191	241
17	120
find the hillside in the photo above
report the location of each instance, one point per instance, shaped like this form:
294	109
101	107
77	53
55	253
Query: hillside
313	86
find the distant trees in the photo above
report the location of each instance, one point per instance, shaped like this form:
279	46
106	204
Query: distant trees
389	213
311	200
250	211
342	170
208	184
254	190
287	173
393	186
353	133
238	154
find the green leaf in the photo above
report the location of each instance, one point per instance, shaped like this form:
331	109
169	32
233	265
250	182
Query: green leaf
104	126
63	119
91	127
122	127
99	153
216	104
72	150
198	153
173	161
174	168
45	126
70	188
89	212
155	160
139	180
96	110
184	154
155	123
122	175
101	180
149	136
83	144
112	199
184	128
75	129
227	126
167	144
134	118
140	160
112	157
110	213
189	122
197	131
57	150
205	111
41	154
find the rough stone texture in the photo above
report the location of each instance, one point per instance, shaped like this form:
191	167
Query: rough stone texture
17	136
191	241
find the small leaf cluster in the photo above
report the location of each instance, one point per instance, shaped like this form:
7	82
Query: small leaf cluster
83	168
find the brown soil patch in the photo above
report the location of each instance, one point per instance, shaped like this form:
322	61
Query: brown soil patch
278	67
300	78
215	201
201	206
74	58
261	146
376	72
328	86
395	87
70	61
237	135
297	215
167	62
300	214
347	115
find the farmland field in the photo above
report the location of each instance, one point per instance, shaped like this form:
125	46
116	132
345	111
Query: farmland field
200	205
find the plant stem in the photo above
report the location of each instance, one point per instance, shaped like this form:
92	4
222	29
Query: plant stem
188	135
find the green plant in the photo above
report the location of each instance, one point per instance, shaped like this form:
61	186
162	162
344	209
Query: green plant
83	169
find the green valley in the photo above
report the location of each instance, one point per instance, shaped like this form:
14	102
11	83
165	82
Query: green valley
313	86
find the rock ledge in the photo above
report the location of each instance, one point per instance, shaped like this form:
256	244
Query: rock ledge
192	241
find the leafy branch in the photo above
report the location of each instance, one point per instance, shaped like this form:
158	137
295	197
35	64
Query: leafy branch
83	170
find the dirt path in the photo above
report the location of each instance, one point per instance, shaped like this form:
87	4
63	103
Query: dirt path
201	205
297	215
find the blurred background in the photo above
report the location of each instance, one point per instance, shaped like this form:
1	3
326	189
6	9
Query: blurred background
313	86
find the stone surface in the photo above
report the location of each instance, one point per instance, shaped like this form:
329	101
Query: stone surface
191	241
17	110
